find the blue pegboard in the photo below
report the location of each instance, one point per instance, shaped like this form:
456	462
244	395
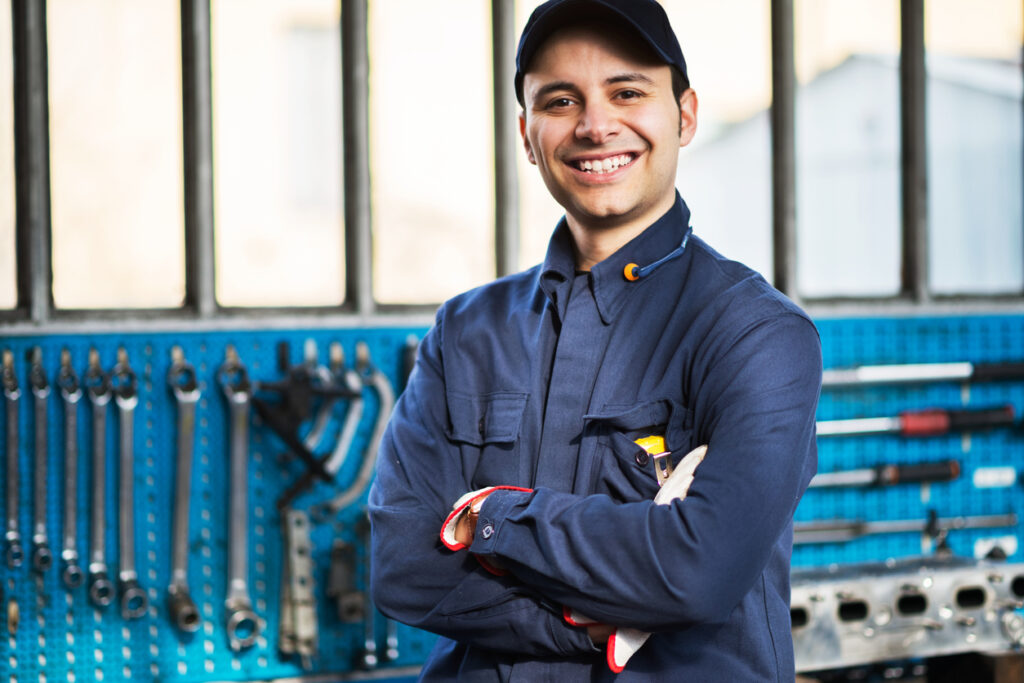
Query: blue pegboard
63	637
886	341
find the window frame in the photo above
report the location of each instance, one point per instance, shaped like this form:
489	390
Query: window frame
35	306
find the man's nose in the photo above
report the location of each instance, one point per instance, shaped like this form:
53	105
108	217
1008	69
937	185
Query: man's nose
597	123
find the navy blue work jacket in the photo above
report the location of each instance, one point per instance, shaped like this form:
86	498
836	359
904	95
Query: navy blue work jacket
543	380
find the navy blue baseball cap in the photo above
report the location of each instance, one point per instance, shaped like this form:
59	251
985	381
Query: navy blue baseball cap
646	17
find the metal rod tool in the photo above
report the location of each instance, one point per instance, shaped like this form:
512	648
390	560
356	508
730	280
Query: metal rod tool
12	396
919	373
42	556
243	624
181	378
71	394
134	600
97	384
843	530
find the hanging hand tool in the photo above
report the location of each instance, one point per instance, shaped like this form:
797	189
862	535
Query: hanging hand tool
341	583
12	396
243	624
334	383
42	556
386	402
297	631
920	373
921	422
181	378
889	475
71	394
843	530
134	600
97	384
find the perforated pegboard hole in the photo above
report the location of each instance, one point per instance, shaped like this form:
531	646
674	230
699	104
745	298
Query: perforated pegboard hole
70	638
71	658
97	655
126	672
261	661
236	664
208	666
182	667
98	674
97	636
154	670
71	677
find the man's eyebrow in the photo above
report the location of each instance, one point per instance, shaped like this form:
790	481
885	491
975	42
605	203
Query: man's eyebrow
554	86
630	77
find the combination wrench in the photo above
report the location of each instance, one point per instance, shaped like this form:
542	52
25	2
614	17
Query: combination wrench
97	385
243	624
71	394
124	384
42	557
181	377
12	396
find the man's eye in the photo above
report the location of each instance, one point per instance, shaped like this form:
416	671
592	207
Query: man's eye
559	102
629	94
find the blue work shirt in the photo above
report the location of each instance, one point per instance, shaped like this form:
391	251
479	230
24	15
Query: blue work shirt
543	380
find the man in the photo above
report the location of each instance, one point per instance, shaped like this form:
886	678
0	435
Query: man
512	493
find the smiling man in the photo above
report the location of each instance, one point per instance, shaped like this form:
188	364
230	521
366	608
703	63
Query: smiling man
516	484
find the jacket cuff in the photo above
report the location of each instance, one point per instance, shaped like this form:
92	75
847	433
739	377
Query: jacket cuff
460	508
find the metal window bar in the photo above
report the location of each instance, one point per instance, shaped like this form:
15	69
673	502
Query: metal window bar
506	149
31	161
197	118
913	76
783	132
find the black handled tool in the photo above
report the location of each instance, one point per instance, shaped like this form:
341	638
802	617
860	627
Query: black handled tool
888	475
920	373
922	422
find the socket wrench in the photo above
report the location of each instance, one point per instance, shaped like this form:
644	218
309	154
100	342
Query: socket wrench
12	396
71	394
134	601
42	556
181	378
97	385
243	624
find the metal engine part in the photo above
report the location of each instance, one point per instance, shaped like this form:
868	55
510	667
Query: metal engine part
857	614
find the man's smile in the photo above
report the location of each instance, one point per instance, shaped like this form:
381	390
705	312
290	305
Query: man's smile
602	165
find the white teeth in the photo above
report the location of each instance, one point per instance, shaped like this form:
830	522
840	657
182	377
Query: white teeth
602	166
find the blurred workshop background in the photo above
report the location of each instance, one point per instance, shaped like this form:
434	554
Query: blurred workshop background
202	200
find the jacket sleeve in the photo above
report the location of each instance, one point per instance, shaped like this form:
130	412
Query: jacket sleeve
656	567
414	578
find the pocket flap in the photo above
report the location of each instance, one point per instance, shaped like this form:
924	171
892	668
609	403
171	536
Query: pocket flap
487	418
671	416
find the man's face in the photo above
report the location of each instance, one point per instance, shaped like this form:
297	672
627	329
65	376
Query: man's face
603	127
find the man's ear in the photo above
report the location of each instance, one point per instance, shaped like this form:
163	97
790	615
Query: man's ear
526	140
687	116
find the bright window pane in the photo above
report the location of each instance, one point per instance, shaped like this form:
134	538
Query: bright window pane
277	152
431	148
725	173
976	241
8	285
116	153
730	156
848	147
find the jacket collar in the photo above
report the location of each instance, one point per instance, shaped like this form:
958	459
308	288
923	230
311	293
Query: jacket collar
610	286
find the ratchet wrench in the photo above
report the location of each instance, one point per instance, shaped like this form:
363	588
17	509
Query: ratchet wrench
42	557
182	379
124	383
71	394
243	624
12	396
97	385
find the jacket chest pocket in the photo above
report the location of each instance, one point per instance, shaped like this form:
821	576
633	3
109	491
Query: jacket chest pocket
486	427
624	470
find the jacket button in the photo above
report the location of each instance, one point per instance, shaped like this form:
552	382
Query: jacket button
487	531
642	458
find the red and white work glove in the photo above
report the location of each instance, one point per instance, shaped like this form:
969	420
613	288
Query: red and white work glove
624	641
